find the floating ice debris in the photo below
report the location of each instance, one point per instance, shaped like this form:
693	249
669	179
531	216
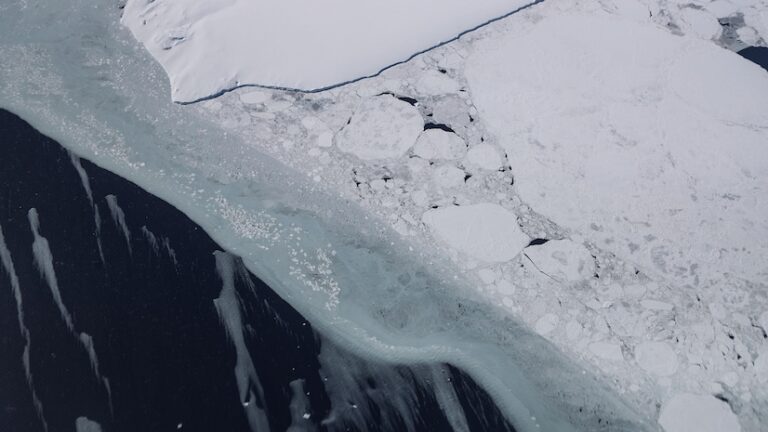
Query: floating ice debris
87	186
7	261
44	263
300	409
83	176
228	308
84	424
448	400
87	341
151	239
119	218
171	253
382	127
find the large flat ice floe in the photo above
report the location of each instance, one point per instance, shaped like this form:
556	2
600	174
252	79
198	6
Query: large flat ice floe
208	47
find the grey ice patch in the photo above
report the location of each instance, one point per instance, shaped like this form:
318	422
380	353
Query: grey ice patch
119	218
87	341
87	186
7	261
83	176
300	409
171	253
151	239
448	400
84	424
44	264
347	381
228	307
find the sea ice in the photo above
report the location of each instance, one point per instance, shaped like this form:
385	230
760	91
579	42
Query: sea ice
484	156
611	137
487	232
439	144
84	424
382	127
657	358
562	260
697	413
206	48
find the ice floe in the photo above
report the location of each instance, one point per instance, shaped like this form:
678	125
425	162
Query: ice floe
700	413
562	260
381	127
487	232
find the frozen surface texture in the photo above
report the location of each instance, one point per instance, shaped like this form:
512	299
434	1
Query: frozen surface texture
486	232
208	47
651	146
381	127
689	413
625	135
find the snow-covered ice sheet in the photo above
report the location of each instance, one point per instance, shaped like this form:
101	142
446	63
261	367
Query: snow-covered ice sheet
651	144
207	47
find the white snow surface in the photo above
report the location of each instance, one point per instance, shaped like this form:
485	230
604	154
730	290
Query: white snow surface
381	127
644	141
487	232
695	413
562	260
210	46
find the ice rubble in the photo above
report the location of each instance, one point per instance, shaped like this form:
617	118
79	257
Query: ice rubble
201	44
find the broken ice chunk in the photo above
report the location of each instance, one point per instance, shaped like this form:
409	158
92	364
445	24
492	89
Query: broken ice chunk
701	413
484	156
439	144
487	232
657	358
382	127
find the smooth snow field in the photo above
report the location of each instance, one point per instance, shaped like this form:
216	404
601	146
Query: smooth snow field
207	47
77	76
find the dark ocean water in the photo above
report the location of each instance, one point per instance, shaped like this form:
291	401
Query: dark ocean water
758	55
113	301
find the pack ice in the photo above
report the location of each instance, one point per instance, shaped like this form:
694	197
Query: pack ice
207	47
